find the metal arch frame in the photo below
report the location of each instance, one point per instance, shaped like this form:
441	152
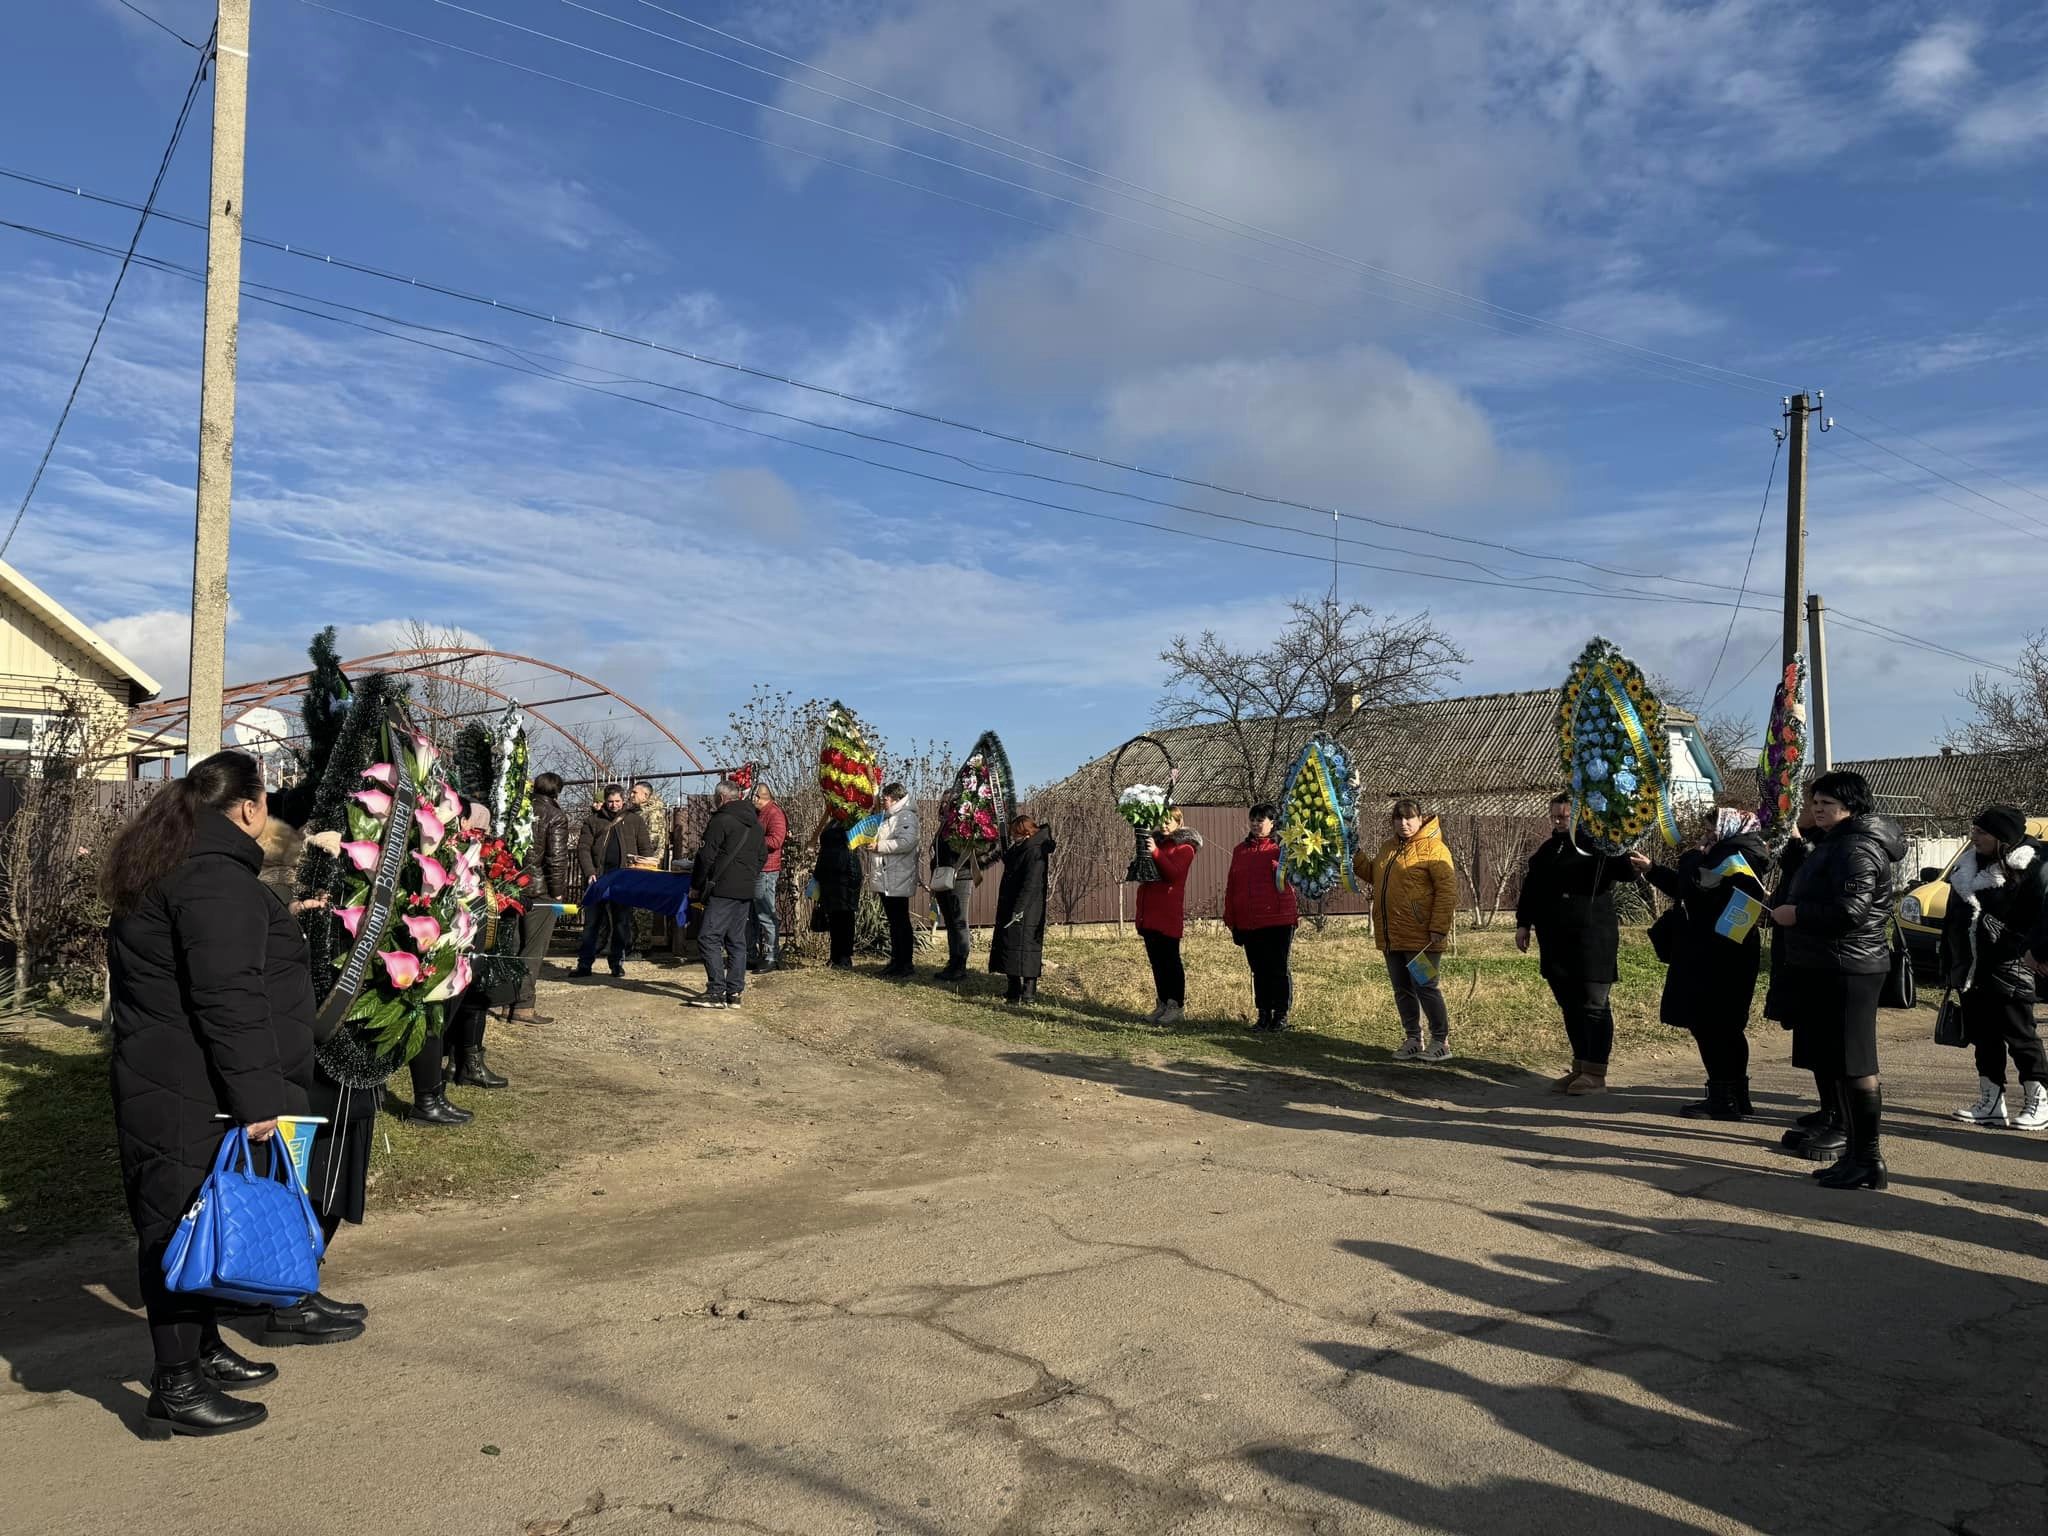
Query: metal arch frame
245	698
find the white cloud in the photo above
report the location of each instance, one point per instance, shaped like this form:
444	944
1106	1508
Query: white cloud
2011	122
1929	72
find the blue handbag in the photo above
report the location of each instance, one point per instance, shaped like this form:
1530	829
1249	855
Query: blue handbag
249	1237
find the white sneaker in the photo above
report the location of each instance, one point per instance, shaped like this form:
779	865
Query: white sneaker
1408	1049
1439	1050
2034	1117
1171	1013
1990	1106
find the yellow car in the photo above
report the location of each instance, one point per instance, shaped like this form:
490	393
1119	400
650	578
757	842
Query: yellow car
1922	908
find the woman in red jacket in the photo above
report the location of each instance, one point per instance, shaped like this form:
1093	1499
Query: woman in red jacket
1162	915
1260	912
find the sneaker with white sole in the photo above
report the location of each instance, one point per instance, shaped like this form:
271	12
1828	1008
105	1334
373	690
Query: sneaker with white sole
1439	1050
1170	1013
1408	1050
2034	1117
1990	1106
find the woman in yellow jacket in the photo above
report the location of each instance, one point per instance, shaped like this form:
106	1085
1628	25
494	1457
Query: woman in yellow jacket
1414	902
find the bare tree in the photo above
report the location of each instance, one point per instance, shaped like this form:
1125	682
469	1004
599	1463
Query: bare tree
1094	844
1491	854
2011	720
1330	669
64	815
450	693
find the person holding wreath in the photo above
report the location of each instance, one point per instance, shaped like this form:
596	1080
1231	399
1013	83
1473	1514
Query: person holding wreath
1162	913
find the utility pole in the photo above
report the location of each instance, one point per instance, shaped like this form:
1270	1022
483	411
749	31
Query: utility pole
1817	681
1797	408
217	382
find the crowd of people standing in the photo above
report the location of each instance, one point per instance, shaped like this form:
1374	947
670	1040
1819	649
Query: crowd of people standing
213	1017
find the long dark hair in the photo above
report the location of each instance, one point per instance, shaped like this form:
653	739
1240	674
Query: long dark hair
158	838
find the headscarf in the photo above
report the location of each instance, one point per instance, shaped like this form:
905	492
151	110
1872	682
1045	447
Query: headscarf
1729	822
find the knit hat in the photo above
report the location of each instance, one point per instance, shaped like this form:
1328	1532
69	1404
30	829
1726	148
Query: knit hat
2007	823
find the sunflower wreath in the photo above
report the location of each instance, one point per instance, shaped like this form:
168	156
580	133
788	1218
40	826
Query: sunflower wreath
1614	751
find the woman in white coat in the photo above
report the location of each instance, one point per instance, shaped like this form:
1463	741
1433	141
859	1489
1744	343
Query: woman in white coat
896	864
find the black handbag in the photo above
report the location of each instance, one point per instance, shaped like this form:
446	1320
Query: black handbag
1667	934
1901	986
1948	1022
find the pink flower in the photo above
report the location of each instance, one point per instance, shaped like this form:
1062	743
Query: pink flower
424	755
463	926
375	801
433	874
453	983
382	773
425	931
450	808
351	918
402	968
363	855
432	830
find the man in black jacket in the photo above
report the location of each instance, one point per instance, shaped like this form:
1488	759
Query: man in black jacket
552	867
1567	905
725	872
613	838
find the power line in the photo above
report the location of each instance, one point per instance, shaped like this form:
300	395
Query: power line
160	26
1989	474
1769	479
1644	360
1736	686
528	313
256	292
1921	490
107	309
1937	474
1208	218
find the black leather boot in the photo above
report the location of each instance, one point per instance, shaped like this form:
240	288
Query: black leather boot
307	1324
475	1072
1821	1137
224	1368
183	1402
434	1109
1723	1102
1738	1089
1862	1166
348	1311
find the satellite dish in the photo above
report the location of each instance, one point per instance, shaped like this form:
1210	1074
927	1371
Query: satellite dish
261	730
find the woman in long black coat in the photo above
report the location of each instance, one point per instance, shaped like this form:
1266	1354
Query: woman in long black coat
1837	917
838	902
1711	982
192	1041
1017	949
337	1173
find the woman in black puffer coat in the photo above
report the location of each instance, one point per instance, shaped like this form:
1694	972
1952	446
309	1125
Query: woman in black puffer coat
1711	983
192	1040
1837	922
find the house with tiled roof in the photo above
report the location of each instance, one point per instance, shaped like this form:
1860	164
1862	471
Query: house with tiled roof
1938	794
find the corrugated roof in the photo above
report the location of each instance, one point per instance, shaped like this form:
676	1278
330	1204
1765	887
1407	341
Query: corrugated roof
1951	787
1482	754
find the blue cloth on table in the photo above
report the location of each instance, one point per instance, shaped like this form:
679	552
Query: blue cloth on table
649	890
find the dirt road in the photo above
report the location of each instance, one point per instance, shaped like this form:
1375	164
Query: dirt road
852	1273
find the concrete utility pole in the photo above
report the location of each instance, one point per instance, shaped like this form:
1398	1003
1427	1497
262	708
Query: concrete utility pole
1797	408
1817	681
217	382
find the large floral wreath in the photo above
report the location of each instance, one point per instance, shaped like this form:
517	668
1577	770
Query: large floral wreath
1615	752
977	812
849	771
1782	768
1318	821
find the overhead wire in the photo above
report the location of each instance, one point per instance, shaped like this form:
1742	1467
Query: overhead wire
1937	474
1948	453
285	248
1646	360
120	275
154	22
1921	490
1770	479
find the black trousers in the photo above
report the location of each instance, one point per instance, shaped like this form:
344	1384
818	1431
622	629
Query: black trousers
839	929
427	1079
1266	951
1588	1017
1169	975
898	908
180	1325
1724	1052
1998	1027
952	907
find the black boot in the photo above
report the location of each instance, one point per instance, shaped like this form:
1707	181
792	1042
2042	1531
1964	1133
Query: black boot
1281	1024
1701	1109
1821	1137
1738	1089
1265	1021
434	1109
347	1311
183	1402
307	1324
1724	1101
475	1072
224	1368
1862	1166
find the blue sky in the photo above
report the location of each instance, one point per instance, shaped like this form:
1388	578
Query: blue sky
1798	201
